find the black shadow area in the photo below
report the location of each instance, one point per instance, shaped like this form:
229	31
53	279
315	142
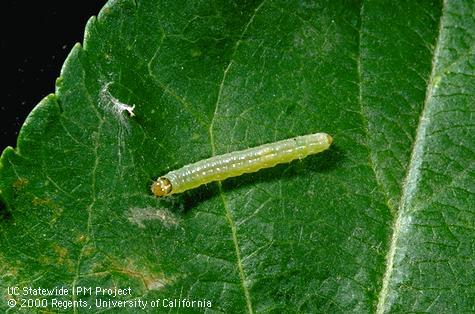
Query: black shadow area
36	37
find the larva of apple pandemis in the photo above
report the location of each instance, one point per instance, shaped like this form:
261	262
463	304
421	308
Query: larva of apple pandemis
236	163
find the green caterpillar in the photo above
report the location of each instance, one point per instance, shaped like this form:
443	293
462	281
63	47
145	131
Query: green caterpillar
237	163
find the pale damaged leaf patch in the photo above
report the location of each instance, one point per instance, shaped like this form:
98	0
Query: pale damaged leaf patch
138	216
150	280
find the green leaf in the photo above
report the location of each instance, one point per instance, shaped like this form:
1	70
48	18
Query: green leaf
382	222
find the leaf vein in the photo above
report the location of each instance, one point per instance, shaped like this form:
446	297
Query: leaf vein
363	113
89	230
229	216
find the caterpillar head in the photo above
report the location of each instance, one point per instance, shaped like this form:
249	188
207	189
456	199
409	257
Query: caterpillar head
161	187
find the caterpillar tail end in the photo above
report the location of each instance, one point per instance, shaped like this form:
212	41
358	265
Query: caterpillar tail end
161	187
329	139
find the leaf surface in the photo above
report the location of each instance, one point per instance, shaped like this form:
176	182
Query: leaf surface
382	222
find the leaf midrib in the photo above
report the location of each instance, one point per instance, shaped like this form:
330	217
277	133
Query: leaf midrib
410	180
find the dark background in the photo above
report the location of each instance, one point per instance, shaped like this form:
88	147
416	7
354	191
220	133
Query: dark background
36	37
